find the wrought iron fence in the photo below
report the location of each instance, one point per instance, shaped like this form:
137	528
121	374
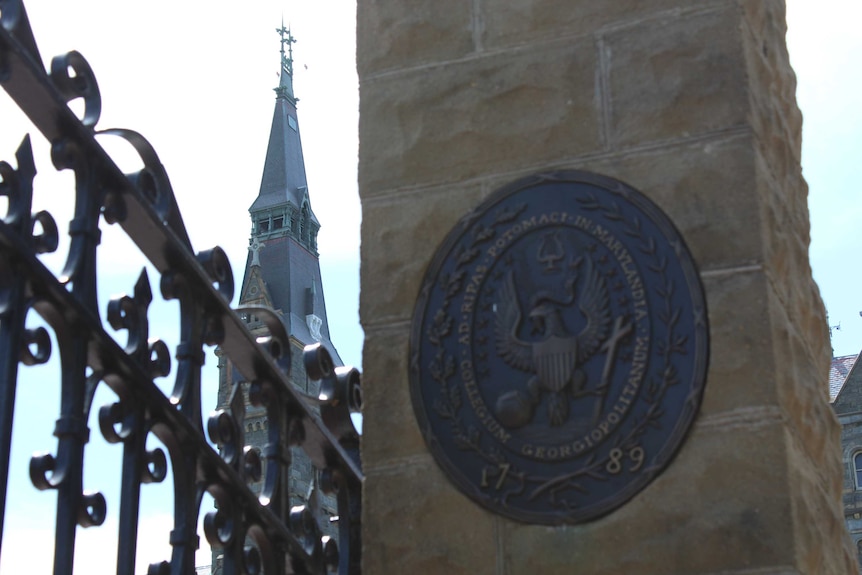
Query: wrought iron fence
257	533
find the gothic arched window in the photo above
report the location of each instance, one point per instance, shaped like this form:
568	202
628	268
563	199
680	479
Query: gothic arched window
857	469
303	225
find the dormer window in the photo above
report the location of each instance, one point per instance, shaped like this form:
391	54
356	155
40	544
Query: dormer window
291	121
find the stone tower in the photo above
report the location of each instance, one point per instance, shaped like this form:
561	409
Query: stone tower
282	272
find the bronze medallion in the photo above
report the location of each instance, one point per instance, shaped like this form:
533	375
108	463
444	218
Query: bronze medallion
559	348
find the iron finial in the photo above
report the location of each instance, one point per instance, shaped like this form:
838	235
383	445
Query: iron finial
286	38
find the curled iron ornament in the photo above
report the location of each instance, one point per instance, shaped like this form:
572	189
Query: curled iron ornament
144	205
252	463
48	239
42	476
276	342
82	85
340	392
93	510
219	526
224	431
156	468
116	425
153	182
216	264
42	341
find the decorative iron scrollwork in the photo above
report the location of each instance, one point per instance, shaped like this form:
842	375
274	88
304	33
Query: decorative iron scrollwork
257	532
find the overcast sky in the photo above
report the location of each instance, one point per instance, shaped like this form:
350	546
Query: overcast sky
196	79
825	45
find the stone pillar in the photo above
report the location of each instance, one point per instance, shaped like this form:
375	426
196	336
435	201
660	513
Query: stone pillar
693	103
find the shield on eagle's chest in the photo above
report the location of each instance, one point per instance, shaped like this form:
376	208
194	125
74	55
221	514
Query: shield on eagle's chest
555	361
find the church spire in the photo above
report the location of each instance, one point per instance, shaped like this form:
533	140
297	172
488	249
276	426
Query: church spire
282	272
282	268
282	207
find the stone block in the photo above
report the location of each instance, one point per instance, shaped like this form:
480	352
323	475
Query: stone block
775	116
720	507
389	430
507	23
803	394
741	364
483	115
822	544
687	80
399	237
396	34
715	207
414	521
784	212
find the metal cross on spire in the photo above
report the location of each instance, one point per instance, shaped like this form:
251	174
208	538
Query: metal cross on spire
286	38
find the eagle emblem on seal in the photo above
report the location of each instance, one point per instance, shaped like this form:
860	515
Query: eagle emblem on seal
555	357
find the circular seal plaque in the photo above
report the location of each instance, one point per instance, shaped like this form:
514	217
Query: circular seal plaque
559	348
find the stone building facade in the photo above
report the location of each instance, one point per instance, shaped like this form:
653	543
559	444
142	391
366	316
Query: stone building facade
845	393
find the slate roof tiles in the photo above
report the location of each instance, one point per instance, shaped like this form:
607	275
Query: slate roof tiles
838	372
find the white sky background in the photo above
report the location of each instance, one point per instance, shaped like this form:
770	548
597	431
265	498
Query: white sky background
825	47
196	79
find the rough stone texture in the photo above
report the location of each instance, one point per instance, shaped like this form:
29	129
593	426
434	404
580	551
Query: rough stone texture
800	341
692	102
396	225
661	84
385	386
660	532
712	207
423	127
741	365
774	115
506	23
418	523
405	33
814	424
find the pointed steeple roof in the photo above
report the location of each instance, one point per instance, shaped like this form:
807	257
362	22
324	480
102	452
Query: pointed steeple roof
283	180
282	269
